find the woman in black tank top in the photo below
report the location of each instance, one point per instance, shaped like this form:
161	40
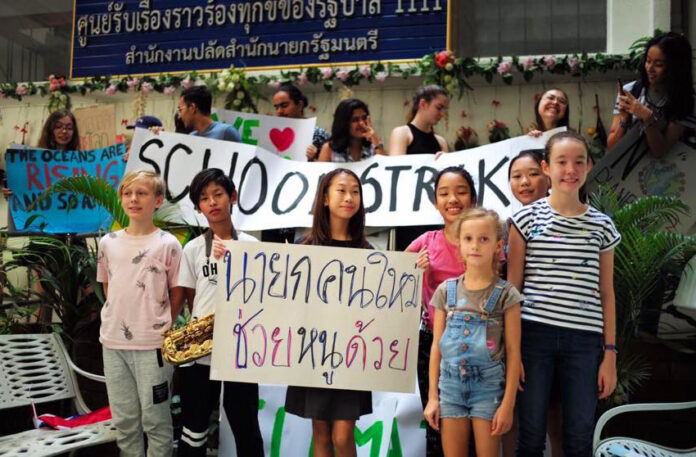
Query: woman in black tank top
430	104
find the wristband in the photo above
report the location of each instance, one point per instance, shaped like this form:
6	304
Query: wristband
611	347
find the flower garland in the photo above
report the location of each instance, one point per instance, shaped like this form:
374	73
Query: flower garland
441	68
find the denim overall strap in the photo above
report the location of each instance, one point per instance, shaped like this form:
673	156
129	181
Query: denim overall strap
493	299
451	293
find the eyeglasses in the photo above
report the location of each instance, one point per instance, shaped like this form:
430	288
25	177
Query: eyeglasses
357	119
553	98
65	127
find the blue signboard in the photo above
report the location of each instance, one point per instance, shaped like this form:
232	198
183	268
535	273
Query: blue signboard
154	36
31	171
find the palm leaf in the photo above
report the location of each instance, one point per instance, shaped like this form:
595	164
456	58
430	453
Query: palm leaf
652	213
97	189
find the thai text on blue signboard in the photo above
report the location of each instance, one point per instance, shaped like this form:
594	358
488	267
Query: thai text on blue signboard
148	36
31	171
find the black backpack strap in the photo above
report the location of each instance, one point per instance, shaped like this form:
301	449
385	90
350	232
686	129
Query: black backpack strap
208	237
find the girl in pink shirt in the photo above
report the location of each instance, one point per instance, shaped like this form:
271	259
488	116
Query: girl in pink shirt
439	257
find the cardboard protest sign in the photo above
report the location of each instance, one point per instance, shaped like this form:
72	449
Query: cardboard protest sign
633	172
284	136
97	126
317	316
31	171
277	193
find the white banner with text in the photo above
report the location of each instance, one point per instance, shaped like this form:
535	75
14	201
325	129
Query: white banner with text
317	316
277	193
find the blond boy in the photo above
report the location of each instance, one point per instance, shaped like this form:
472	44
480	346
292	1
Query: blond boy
138	266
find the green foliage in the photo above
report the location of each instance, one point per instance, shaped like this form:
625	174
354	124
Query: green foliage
66	275
12	319
97	189
647	266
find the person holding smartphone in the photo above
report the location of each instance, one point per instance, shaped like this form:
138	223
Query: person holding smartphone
661	98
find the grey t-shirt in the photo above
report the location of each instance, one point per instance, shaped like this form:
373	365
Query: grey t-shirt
220	131
475	301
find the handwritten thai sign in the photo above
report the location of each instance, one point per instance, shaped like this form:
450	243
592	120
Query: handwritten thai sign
286	137
31	171
274	192
97	126
148	36
631	170
317	316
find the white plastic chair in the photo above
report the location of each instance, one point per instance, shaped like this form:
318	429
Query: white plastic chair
634	446
35	369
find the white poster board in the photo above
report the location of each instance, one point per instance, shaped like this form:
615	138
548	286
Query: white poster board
286	137
317	316
394	429
633	172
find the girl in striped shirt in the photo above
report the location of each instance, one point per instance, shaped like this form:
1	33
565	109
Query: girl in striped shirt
562	258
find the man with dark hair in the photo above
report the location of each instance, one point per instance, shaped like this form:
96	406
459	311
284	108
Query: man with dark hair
194	111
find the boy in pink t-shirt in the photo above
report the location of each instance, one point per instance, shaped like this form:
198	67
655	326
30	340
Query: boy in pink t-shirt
137	266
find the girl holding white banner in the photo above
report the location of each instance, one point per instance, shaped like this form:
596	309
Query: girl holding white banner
430	104
476	333
439	257
339	221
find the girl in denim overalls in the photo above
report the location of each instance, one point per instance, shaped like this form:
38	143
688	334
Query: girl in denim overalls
476	327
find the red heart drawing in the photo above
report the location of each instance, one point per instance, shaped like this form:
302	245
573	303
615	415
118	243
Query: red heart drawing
282	140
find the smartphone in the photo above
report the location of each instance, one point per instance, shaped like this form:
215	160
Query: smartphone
621	89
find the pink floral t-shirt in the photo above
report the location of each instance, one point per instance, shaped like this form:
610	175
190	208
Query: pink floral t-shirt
445	263
139	271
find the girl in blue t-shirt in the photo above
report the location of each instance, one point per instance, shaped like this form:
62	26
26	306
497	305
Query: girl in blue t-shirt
562	258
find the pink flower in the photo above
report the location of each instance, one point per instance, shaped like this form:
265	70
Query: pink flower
327	72
111	90
504	67
132	83
169	90
528	62
574	63
147	87
302	79
550	61
342	74
21	90
186	83
274	84
381	76
366	71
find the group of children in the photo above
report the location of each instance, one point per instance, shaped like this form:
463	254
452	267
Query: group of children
490	348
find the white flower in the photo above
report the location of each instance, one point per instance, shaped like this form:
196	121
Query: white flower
169	90
230	87
381	76
366	71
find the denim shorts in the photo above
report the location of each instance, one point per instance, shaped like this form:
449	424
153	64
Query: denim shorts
476	393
